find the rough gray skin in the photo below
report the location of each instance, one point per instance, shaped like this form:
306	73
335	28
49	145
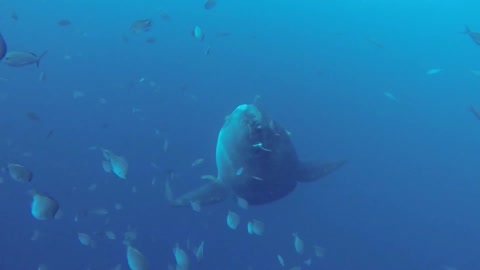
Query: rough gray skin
256	161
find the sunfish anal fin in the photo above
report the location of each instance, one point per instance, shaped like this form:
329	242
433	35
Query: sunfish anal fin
310	171
211	193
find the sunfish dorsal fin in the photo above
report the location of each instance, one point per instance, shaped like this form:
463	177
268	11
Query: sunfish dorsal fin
311	170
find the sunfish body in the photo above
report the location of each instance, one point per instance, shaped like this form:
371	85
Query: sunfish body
475	36
256	160
20	59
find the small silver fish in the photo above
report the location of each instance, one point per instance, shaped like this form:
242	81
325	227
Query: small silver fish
19	173
198	34
44	207
20	58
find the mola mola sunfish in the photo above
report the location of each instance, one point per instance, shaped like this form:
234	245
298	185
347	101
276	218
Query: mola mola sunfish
256	161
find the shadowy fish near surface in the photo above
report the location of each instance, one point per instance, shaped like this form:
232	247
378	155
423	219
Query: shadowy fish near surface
475	36
3	47
49	134
150	40
21	59
140	26
223	34
474	112
14	16
210	4
64	22
375	42
32	116
256	160
165	16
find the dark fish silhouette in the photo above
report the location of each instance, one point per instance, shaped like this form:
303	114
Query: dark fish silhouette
475	36
223	34
50	134
474	112
32	116
64	22
375	42
165	17
150	40
14	16
3	47
141	26
210	4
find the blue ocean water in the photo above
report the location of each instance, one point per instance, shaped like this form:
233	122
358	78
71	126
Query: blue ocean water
406	200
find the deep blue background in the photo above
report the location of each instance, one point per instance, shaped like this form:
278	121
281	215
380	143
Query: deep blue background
408	198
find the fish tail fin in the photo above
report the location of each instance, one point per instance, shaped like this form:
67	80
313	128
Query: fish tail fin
40	58
310	171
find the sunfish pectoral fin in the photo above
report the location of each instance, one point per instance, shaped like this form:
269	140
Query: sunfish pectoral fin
310	171
211	193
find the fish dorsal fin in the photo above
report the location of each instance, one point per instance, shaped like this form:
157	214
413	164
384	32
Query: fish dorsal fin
312	170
